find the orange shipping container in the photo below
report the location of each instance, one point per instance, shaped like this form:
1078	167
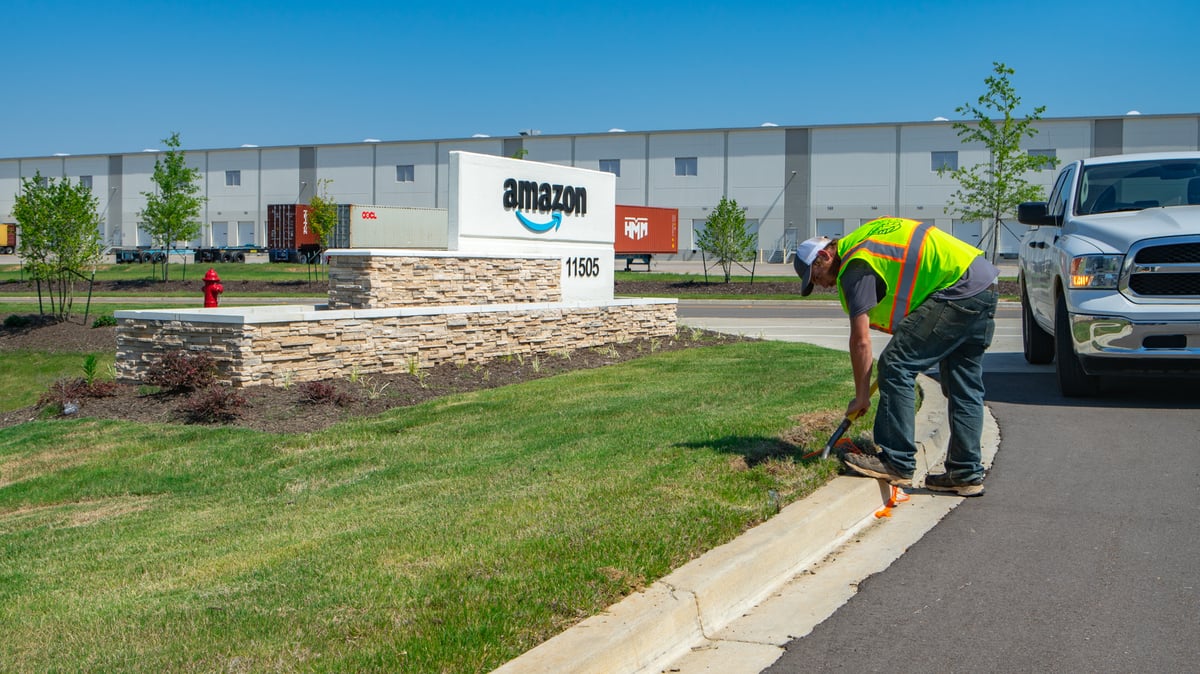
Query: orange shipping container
287	227
646	229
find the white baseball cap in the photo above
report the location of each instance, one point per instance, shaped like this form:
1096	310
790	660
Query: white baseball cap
805	254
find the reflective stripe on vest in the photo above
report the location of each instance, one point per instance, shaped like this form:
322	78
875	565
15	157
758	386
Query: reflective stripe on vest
911	265
899	263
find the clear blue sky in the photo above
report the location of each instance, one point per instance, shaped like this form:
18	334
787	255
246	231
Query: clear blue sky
88	77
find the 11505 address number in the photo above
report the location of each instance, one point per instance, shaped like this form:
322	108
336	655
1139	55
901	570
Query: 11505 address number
583	266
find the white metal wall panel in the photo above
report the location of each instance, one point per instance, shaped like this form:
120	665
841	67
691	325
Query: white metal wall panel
280	175
422	191
1070	140
923	193
756	180
492	146
10	184
853	169
1160	135
49	167
694	196
556	150
137	177
349	167
97	168
94	166
227	202
631	150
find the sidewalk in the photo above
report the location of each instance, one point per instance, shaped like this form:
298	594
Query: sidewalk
733	609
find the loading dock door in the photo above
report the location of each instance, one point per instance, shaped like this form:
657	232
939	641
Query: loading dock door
967	230
831	228
220	234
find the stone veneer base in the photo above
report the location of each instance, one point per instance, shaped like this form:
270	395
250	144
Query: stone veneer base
292	343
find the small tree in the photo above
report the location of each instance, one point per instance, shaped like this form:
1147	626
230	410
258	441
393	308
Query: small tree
990	192
322	214
172	211
725	238
60	236
322	218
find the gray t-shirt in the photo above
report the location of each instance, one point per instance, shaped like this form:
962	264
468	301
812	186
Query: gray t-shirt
864	288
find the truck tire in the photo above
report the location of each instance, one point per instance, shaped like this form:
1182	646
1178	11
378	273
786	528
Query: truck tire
1037	344
1072	380
240	257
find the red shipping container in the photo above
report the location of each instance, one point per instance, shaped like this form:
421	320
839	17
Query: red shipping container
287	227
646	229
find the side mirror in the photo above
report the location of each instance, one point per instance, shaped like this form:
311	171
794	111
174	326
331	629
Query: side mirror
1034	213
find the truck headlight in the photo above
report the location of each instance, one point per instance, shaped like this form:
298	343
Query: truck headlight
1096	271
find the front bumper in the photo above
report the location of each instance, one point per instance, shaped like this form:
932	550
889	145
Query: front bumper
1118	344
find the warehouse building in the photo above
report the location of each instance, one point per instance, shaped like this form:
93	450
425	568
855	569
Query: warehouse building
792	181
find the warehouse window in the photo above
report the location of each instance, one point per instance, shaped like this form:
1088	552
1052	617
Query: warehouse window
405	173
612	166
685	166
233	178
85	181
1048	157
943	161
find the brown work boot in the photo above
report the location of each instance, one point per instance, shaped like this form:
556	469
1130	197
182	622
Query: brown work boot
943	482
873	465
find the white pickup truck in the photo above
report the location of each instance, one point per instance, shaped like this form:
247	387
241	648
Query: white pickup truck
1110	271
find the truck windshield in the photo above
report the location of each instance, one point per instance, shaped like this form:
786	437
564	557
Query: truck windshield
1133	186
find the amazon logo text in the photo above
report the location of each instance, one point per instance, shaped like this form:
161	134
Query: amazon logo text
529	195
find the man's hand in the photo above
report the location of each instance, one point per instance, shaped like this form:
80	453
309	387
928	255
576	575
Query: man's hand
858	407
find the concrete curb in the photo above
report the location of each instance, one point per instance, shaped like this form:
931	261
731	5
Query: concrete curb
647	630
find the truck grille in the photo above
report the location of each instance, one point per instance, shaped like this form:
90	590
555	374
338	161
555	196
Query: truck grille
1181	254
1165	284
1167	270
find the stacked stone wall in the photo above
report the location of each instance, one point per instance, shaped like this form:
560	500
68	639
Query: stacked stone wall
390	313
282	352
379	282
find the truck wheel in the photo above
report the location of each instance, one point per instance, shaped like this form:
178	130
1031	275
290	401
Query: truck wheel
1072	380
160	258
240	257
1036	342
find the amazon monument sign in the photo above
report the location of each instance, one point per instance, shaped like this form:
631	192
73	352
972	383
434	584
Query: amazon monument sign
512	206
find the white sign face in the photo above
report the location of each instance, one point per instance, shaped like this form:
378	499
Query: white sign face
512	206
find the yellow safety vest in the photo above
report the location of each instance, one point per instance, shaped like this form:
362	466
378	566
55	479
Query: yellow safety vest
914	260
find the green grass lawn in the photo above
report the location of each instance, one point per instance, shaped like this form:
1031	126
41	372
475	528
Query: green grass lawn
447	537
27	374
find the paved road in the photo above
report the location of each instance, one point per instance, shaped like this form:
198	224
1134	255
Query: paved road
1081	557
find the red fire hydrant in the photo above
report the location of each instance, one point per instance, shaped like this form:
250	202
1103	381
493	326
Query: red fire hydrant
212	288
